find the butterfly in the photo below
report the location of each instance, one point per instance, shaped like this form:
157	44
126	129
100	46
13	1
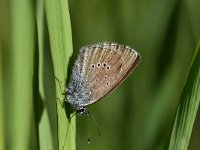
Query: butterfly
98	70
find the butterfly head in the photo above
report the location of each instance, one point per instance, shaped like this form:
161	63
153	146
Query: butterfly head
83	111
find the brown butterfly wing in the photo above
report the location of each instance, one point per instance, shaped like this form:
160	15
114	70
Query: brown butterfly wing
106	65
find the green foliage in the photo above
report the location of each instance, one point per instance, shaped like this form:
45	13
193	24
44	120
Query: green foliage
36	46
187	109
27	80
21	66
59	26
2	145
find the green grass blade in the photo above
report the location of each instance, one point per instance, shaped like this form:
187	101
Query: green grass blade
188	107
59	27
22	24
46	117
2	146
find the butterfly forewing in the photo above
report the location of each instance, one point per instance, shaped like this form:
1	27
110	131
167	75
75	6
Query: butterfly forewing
102	75
106	65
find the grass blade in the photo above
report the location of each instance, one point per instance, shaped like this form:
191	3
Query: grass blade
1	105
59	27
22	24
45	106
188	107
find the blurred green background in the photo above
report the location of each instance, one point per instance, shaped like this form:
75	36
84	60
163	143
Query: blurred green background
139	114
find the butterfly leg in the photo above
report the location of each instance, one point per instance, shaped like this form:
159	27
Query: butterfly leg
97	126
61	103
60	82
63	93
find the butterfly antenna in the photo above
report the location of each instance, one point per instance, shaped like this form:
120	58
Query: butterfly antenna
96	124
89	128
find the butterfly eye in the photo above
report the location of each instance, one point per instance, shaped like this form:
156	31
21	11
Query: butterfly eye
104	64
105	77
98	64
108	67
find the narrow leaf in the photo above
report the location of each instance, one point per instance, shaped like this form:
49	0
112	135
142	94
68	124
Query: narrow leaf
59	27
188	107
